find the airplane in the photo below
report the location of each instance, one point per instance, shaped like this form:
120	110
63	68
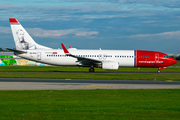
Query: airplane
27	48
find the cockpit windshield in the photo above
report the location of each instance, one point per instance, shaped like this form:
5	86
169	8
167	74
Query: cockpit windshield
167	56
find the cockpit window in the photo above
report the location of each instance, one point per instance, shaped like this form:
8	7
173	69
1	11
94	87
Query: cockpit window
166	56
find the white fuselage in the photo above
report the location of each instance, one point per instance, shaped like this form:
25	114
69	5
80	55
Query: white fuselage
125	58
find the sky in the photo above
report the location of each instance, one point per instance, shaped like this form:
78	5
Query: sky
93	24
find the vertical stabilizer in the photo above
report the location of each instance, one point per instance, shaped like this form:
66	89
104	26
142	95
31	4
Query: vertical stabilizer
22	39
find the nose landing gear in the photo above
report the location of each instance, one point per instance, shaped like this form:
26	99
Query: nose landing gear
158	71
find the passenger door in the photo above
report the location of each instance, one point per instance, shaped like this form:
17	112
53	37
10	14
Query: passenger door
39	56
156	57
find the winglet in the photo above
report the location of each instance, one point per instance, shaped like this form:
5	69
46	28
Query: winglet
13	20
64	48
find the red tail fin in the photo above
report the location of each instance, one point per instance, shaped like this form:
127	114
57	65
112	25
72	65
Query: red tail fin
13	20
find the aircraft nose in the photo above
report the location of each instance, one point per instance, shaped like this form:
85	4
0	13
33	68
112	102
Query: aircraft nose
173	61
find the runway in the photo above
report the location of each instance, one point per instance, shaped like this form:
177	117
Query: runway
73	84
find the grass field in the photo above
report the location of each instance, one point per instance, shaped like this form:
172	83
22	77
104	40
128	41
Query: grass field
83	69
104	76
84	74
90	104
174	68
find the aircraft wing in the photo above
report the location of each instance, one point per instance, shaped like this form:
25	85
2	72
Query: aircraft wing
86	61
16	51
83	60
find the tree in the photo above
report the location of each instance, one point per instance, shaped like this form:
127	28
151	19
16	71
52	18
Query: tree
1	50
178	58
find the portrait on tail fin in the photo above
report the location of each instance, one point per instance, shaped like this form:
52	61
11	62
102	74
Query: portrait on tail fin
21	42
22	39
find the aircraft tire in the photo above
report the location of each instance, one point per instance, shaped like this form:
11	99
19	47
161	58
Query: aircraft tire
91	69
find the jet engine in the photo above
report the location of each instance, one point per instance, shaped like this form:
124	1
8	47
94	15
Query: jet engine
109	65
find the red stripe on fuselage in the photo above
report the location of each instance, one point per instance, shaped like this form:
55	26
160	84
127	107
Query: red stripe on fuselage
152	59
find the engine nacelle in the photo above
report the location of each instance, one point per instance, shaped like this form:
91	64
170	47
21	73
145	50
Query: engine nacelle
108	65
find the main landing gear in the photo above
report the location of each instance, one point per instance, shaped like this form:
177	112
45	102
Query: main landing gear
158	71
91	69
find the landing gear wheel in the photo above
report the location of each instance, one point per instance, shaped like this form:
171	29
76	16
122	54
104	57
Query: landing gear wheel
91	69
158	71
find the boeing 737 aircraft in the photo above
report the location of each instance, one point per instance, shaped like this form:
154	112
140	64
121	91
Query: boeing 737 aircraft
27	48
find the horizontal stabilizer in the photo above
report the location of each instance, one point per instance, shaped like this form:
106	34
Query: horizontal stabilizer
11	58
16	51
